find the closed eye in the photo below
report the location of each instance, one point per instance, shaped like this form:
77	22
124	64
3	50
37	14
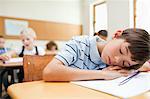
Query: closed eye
123	63
120	51
126	64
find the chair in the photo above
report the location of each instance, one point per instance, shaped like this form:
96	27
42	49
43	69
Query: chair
33	66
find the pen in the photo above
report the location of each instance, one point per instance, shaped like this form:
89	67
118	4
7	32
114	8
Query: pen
129	78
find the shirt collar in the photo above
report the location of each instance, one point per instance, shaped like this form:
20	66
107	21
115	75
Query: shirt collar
94	54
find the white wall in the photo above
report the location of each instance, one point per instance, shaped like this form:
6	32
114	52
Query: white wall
11	43
118	15
85	15
66	11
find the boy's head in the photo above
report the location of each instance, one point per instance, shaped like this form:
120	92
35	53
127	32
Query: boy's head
27	36
2	42
130	48
52	46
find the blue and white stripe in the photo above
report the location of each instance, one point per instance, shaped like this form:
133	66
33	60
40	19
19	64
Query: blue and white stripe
81	52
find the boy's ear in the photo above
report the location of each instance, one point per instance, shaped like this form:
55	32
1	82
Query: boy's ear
117	34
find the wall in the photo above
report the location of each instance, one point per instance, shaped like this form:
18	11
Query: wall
118	15
46	30
65	11
59	11
12	43
68	11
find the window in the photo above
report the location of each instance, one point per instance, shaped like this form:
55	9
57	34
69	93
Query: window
100	17
142	14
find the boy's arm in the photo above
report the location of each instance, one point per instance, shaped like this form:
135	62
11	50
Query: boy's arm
57	71
7	55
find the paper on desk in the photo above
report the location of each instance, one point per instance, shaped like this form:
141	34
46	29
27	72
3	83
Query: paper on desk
14	60
137	85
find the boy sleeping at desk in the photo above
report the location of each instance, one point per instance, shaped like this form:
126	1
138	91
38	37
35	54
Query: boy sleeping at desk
89	58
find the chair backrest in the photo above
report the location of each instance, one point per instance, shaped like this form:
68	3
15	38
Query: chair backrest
33	66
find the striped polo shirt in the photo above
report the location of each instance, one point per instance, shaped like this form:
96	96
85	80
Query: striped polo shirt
82	52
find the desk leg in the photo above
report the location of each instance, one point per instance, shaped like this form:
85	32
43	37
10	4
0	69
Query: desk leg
3	80
11	72
0	85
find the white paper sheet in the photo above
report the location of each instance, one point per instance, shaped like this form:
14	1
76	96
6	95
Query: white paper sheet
137	85
14	60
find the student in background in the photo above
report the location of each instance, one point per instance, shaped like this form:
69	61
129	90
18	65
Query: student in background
3	71
28	37
102	34
83	58
51	48
3	49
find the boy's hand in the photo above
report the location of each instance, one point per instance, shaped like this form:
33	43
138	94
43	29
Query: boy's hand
4	57
112	68
113	72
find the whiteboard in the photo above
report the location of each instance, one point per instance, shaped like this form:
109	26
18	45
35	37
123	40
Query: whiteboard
13	27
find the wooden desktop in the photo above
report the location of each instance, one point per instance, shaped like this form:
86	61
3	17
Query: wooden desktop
59	90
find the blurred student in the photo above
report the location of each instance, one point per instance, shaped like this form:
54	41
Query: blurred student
51	48
3	71
28	37
3	49
102	34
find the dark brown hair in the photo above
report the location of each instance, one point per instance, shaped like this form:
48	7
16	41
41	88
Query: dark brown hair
139	41
102	33
50	44
1	36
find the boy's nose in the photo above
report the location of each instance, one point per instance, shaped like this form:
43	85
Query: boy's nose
25	41
116	59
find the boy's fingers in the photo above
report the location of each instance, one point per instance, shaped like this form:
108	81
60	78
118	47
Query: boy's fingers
116	68
5	58
125	72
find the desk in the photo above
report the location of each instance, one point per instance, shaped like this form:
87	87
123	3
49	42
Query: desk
58	90
12	65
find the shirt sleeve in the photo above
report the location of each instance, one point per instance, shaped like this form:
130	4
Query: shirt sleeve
69	54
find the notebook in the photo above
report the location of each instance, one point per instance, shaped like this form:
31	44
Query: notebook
137	85
14	60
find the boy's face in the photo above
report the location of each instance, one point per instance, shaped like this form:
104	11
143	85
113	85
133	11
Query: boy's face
116	52
27	40
2	42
